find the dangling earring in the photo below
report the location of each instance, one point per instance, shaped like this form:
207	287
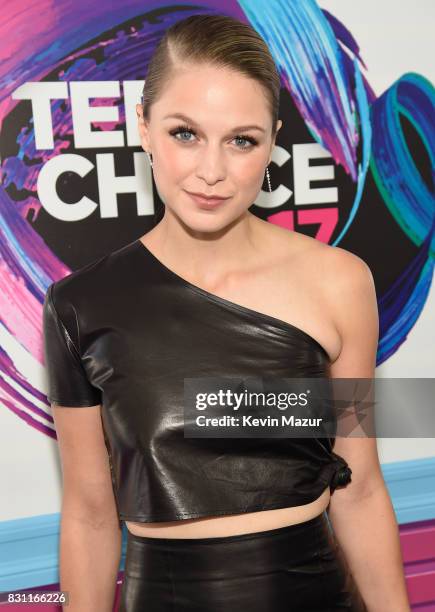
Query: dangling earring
268	179
149	157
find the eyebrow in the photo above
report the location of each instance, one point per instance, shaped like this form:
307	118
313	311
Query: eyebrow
192	122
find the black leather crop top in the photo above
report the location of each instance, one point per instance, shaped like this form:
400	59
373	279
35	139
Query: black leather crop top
123	332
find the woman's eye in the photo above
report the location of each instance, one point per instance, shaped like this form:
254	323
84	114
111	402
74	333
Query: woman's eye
181	130
250	141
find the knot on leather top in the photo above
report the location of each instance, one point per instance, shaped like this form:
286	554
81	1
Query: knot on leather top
342	477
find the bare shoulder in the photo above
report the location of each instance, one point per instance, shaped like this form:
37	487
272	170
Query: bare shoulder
335	299
332	266
320	256
338	273
292	244
342	285
350	295
348	280
346	263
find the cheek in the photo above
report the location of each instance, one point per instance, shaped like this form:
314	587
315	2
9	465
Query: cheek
173	166
171	155
249	173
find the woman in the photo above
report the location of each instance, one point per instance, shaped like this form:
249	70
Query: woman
223	523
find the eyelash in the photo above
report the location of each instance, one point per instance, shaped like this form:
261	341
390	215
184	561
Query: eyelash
185	128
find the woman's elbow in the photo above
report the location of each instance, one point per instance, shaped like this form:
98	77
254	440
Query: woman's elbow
95	507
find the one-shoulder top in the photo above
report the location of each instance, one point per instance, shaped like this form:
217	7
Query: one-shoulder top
124	332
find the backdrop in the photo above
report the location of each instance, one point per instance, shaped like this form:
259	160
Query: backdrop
353	167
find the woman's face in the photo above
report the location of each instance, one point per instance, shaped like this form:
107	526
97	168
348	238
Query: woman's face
207	149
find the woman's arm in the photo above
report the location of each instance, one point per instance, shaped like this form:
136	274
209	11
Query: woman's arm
362	514
90	539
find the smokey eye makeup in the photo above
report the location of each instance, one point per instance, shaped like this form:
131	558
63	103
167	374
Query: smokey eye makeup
185	129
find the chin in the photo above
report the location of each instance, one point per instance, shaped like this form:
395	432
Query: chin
203	221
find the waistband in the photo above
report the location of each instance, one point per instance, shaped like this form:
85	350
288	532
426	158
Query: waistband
231	556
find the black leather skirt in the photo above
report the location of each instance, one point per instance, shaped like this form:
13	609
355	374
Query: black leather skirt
295	568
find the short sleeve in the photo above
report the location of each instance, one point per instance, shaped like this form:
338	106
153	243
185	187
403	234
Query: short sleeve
68	384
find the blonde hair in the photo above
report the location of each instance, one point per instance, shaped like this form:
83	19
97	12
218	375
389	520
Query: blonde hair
218	40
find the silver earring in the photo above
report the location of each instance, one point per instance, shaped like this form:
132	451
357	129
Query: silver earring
268	179
149	157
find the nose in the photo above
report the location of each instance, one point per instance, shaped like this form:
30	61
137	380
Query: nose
211	165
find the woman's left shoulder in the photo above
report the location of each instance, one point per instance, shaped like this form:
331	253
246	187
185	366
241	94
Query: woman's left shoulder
354	282
347	288
341	270
345	261
350	297
335	263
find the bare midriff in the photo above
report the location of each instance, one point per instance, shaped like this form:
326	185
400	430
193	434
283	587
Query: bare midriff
232	524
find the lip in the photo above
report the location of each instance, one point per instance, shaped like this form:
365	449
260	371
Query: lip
206	202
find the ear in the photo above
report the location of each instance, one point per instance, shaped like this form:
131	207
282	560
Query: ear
142	128
278	127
